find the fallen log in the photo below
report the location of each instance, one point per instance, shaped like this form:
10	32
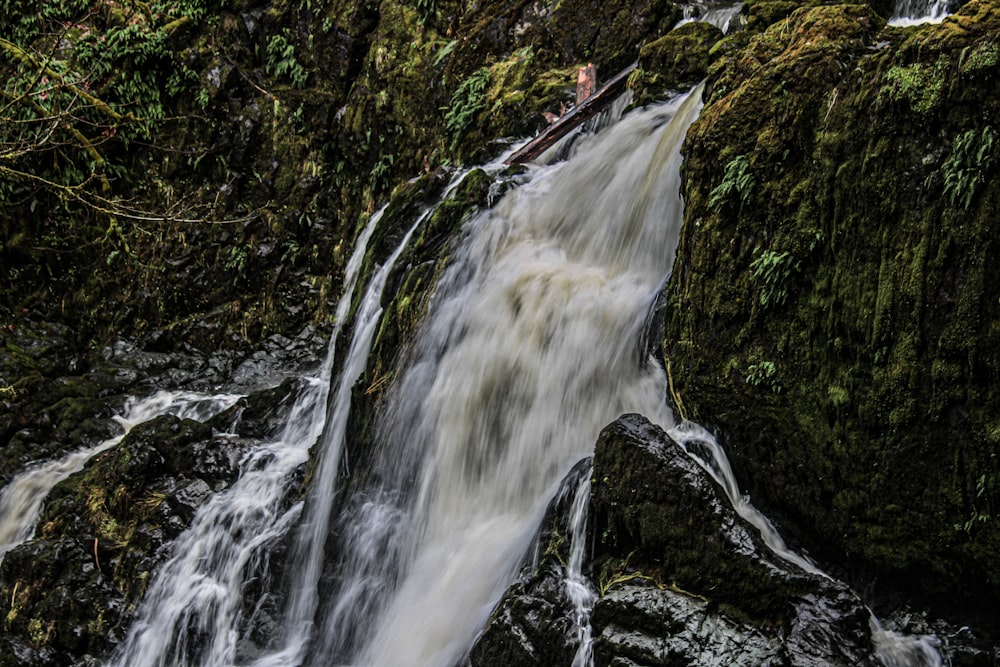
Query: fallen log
580	114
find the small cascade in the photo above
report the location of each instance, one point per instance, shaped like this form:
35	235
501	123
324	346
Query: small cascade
192	612
22	499
702	446
915	12
307	560
578	586
718	14
893	649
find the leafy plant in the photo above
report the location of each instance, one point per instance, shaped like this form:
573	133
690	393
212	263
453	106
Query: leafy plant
762	375
977	517
468	100
237	260
771	272
972	155
281	60
736	186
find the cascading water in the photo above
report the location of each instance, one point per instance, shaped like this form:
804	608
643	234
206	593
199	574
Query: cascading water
530	349
914	12
581	592
192	612
22	499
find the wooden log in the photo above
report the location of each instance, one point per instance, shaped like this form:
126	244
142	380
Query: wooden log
576	117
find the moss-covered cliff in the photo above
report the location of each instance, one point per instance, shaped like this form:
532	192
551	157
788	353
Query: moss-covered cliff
832	312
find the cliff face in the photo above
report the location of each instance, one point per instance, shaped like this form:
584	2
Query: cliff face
831	311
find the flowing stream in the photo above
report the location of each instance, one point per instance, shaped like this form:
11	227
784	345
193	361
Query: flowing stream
193	610
22	499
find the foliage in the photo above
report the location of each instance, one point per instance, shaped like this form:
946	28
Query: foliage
762	375
771	271
468	100
281	60
972	155
977	516
83	81
737	183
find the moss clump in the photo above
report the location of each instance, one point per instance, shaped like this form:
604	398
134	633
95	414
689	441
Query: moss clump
677	60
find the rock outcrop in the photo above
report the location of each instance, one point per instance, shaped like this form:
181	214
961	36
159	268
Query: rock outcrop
831	314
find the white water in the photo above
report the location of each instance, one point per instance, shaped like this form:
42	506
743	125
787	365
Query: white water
579	589
197	595
718	14
916	12
531	348
311	538
22	499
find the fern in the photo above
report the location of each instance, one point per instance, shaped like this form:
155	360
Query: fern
466	104
737	183
972	156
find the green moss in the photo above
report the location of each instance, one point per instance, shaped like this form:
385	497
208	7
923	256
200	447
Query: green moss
918	85
882	341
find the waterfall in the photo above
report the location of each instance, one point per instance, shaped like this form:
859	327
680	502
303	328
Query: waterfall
530	348
22	499
913	12
192	612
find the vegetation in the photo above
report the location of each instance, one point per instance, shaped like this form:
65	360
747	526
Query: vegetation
866	238
973	154
736	186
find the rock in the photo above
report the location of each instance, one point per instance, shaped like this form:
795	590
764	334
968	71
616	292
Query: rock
533	622
664	528
71	592
683	579
829	304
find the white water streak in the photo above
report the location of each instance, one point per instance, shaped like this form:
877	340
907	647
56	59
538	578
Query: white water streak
581	592
192	612
22	499
313	530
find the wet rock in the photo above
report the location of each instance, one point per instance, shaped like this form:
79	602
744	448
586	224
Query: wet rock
854	383
683	579
261	414
533	622
71	592
658	518
531	626
643	624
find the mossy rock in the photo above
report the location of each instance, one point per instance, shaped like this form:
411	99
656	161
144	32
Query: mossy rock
73	589
829	308
678	60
